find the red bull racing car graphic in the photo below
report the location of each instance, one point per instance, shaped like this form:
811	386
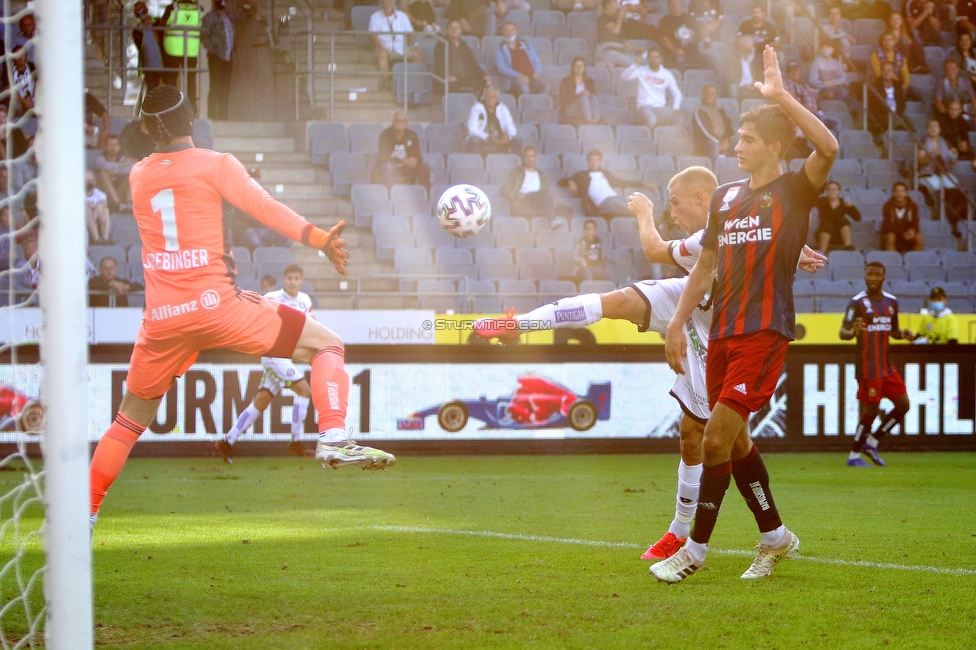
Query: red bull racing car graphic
537	403
17	409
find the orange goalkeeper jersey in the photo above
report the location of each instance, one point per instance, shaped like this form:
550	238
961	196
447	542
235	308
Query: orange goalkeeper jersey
176	200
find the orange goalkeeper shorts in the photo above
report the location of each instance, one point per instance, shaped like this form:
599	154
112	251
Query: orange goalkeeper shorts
171	336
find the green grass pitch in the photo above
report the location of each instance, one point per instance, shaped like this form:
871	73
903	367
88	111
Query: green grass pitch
526	552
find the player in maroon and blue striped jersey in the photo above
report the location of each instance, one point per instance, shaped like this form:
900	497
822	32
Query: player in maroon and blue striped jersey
872	316
751	246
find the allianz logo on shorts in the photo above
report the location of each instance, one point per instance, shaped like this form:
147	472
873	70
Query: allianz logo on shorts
209	299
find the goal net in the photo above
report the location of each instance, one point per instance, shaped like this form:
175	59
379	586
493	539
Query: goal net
45	554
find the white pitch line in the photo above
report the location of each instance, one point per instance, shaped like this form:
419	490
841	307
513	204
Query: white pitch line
603	544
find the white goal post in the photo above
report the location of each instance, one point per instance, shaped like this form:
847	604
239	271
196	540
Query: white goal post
64	341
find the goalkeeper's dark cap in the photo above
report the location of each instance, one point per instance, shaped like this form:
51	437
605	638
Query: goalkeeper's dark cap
167	114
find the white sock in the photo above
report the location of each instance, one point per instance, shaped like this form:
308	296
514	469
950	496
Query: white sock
871	442
774	538
853	455
298	412
332	436
244	422
689	480
698	551
575	312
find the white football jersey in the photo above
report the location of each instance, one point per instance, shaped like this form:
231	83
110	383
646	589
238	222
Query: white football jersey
301	302
685	252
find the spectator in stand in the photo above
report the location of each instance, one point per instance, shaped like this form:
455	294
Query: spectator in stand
922	19
268	283
136	144
97	115
936	159
575	5
472	14
827	73
806	95
939	326
836	32
498	12
708	15
762	31
112	175
491	128
422	16
833	219
744	69
20	81
182	43
635	21
464	74
527	189
909	45
613	49
854	9
966	17
107	286
27	277
658	95
25	167
885	96
678	35
149	42
18	140
392	48
218	37
955	128
954	87
596	188
97	216
887	51
578	101
24	36
399	160
711	128
965	55
899	222
588	255
517	62
8	253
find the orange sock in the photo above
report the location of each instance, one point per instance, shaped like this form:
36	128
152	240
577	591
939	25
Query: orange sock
330	387
110	456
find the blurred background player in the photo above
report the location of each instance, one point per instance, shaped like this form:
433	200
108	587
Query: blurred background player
649	305
938	325
278	374
871	317
750	250
192	302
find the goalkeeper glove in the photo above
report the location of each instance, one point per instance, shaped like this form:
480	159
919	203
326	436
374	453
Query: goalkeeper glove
331	245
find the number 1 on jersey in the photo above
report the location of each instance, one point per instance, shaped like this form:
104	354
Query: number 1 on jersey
165	204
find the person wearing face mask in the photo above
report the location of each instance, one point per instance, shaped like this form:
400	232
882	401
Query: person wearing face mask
517	62
96	212
217	35
939	325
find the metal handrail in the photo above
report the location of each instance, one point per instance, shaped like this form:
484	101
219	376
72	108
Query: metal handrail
332	67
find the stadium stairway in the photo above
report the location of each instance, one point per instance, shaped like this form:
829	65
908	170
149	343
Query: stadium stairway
288	173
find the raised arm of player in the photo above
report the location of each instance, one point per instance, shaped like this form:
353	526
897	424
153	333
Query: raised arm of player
655	248
236	185
825	147
699	281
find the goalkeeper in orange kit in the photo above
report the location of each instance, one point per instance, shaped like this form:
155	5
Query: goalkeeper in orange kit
192	302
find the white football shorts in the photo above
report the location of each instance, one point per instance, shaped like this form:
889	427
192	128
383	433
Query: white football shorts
661	299
279	373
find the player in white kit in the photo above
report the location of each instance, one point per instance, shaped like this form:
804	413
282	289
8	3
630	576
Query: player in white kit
278	374
649	304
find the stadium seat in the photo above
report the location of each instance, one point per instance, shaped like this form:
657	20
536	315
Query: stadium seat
883	180
433	239
949	259
961	273
846	272
267	254
553	238
888	258
555	289
920	258
525	256
510	239
439	303
596	286
457	106
673	147
558	145
343	178
845	257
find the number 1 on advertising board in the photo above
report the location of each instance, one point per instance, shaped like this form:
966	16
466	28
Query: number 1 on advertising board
362	380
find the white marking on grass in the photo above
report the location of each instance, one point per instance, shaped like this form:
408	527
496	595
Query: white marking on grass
603	544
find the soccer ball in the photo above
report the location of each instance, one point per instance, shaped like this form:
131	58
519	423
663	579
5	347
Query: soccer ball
463	210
